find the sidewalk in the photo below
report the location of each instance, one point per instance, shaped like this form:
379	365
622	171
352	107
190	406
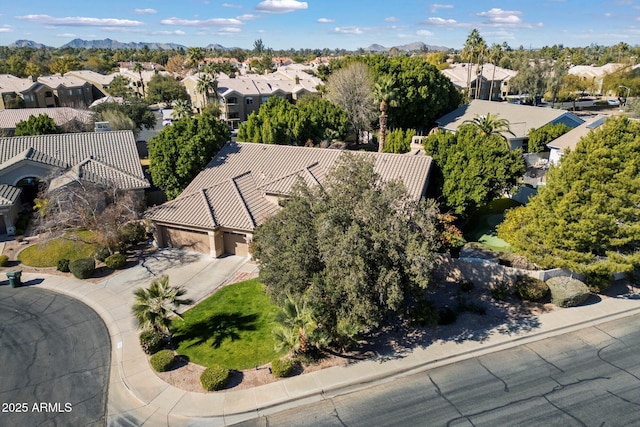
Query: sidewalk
138	397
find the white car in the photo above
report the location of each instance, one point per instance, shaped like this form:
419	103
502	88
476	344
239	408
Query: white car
166	122
613	102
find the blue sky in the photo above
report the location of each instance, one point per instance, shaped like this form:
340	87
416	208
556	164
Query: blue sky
350	24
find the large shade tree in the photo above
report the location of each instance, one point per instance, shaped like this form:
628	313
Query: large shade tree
590	206
354	249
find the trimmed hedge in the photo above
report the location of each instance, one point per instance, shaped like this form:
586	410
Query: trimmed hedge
162	360
82	268
116	261
152	341
101	254
214	378
4	260
63	265
530	288
281	368
567	292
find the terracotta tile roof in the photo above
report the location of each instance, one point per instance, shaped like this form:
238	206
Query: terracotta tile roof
232	190
60	115
106	155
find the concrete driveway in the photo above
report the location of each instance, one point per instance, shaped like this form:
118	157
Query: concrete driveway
55	358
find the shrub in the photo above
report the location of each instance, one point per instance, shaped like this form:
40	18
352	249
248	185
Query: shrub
425	313
214	378
4	260
530	288
466	286
116	261
501	291
82	268
152	341
598	277
63	265
446	316
101	253
281	368
567	292
132	233
466	304
162	360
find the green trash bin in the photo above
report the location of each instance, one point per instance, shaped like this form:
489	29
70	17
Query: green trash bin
14	278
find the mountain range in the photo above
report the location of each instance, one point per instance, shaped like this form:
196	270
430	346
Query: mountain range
114	44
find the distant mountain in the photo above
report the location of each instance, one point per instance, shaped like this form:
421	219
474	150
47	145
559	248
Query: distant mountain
216	46
28	43
410	47
114	44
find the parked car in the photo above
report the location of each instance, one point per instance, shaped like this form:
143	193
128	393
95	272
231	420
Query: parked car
166	122
613	102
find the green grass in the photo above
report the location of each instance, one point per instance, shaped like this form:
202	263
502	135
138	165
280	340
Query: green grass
47	254
231	328
481	227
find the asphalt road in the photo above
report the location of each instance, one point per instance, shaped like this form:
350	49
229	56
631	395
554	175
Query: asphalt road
54	360
587	378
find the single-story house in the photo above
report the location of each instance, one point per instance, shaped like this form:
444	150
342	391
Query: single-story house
243	184
569	140
521	118
100	157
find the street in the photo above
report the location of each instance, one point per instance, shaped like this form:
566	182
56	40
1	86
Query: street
55	357
587	378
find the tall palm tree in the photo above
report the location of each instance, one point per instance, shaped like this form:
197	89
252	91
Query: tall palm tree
495	54
206	84
138	68
181	109
386	94
195	55
472	50
296	326
491	124
153	307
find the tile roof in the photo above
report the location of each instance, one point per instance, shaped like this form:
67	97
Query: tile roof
231	191
102	155
60	115
9	195
521	118
56	81
458	73
10	83
93	77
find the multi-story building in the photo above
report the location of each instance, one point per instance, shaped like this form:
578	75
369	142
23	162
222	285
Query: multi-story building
480	79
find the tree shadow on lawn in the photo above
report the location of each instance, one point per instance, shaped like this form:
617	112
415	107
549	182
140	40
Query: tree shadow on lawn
216	328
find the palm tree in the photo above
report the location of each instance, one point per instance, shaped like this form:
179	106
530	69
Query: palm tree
495	53
195	55
491	124
207	83
473	48
181	109
153	307
137	67
296	326
385	93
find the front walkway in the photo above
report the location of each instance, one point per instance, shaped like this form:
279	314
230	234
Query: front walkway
138	397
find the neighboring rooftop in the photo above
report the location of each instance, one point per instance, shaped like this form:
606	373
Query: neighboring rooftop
569	140
60	115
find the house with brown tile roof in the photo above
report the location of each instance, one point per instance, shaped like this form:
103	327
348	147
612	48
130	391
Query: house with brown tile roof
64	117
99	157
243	185
569	140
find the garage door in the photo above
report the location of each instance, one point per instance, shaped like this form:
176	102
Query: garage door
187	240
235	244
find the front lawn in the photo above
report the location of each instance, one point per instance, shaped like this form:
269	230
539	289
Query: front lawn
231	328
73	246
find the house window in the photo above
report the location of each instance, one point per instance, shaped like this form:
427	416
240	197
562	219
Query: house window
70	92
232	100
79	91
48	94
27	98
265	99
249	100
234	115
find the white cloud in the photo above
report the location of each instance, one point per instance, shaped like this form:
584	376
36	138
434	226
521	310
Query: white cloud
67	35
145	11
325	20
234	6
608	14
79	21
440	22
435	7
213	22
348	30
498	16
5	29
424	33
391	19
281	6
168	33
247	17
